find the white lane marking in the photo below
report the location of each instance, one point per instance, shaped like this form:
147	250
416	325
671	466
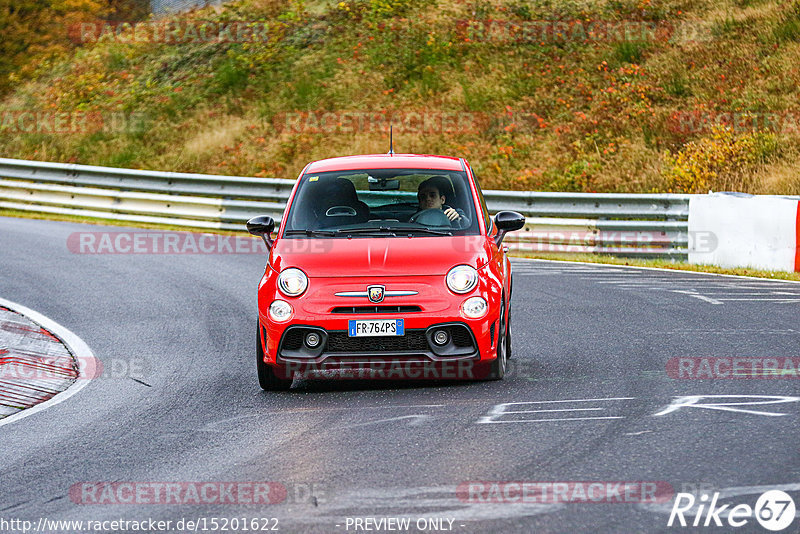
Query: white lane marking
760	293
696	295
713	291
535	273
560	270
660	269
568	400
222	424
526	272
637	433
710	294
551	419
704	284
79	349
561	410
691	285
778	300
727	332
693	401
499	410
416	420
622	282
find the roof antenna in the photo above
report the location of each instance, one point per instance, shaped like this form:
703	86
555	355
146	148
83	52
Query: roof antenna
391	141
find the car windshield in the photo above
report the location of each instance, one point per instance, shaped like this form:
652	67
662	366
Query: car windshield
382	202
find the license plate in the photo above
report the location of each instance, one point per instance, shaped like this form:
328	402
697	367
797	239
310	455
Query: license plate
376	327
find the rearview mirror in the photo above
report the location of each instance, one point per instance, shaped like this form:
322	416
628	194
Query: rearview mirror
507	221
262	226
383	184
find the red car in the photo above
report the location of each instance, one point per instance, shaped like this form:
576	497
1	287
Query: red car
389	265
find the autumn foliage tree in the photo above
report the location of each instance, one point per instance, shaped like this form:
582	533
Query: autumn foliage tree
35	30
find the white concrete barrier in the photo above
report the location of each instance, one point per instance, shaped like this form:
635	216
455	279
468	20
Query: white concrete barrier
760	232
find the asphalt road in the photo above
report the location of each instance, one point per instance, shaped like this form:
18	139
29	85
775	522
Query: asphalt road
592	342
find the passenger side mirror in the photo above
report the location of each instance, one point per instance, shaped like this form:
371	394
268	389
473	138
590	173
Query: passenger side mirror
263	226
507	221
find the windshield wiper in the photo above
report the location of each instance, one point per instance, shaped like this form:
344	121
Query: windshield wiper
313	233
393	229
367	230
427	231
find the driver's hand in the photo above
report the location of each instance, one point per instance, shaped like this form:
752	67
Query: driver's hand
452	214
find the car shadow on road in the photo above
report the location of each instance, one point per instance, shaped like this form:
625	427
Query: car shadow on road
327	384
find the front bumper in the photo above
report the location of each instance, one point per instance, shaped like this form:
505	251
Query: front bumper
416	345
433	307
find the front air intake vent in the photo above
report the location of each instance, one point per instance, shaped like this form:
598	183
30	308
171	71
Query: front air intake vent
413	340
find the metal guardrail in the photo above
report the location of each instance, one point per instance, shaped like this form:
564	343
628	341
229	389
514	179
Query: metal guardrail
647	225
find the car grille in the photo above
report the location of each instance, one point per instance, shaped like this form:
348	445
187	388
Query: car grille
413	340
376	309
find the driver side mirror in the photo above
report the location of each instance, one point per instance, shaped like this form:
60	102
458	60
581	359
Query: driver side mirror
263	226
507	221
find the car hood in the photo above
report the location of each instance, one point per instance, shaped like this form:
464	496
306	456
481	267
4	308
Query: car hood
391	256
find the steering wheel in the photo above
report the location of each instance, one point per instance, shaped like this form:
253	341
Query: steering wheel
430	217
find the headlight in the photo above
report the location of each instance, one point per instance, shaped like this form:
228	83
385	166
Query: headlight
292	282
474	307
462	279
280	310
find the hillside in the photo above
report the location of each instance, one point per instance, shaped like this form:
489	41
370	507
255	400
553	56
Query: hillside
573	95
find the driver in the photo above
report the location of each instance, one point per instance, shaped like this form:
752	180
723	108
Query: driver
432	195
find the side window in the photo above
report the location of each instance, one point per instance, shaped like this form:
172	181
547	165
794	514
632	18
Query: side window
486	217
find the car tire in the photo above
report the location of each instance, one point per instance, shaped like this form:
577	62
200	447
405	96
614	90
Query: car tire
268	379
497	369
508	334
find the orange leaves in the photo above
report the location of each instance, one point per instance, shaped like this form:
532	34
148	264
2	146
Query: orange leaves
505	151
